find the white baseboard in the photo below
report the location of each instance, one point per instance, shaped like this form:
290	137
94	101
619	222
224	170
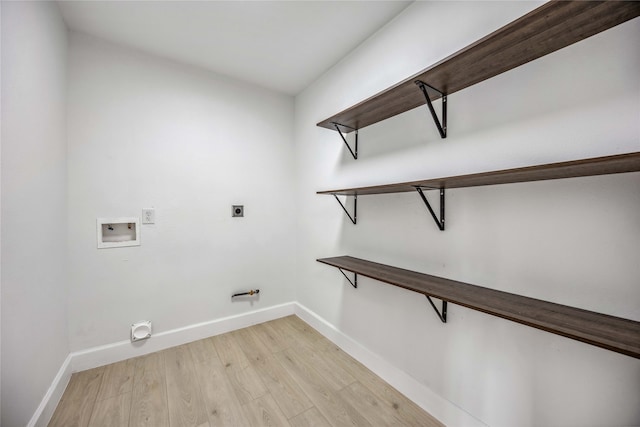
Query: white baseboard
111	353
115	352
47	406
437	406
442	409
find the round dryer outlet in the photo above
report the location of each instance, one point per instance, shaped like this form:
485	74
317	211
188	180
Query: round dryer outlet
141	330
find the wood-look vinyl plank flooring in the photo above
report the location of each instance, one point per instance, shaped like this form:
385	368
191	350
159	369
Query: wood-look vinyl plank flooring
332	372
366	403
223	408
111	412
255	350
264	411
202	350
117	379
328	402
78	400
283	388
270	334
149	398
279	373
246	384
229	352
309	418
301	329
186	406
394	401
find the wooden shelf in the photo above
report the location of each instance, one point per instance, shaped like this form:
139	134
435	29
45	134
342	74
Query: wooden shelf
550	27
609	332
587	167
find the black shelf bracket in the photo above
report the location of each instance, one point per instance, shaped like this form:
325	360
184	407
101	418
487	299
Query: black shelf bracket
355	208
353	153
354	283
442	128
441	314
439	222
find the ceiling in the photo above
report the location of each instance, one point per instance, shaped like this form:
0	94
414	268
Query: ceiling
280	45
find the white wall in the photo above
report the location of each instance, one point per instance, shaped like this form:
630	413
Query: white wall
574	242
145	132
0	216
34	216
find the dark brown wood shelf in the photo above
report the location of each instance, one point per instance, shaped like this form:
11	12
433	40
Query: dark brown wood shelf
620	163
550	27
609	332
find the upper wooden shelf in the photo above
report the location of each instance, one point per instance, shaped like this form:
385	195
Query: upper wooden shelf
609	332
550	27
596	166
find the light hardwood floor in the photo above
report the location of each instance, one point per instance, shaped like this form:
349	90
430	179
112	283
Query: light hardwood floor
279	373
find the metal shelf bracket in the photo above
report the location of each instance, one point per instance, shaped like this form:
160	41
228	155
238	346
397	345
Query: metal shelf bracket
442	315
439	222
353	153
442	128
354	283
355	208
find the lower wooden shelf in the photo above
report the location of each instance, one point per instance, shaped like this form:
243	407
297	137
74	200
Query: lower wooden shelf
609	332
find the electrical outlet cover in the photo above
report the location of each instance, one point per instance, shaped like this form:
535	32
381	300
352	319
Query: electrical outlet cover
237	211
148	216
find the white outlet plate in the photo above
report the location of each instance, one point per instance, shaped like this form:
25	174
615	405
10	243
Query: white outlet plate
148	216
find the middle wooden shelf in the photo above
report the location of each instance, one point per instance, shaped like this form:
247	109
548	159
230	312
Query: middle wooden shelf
620	163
